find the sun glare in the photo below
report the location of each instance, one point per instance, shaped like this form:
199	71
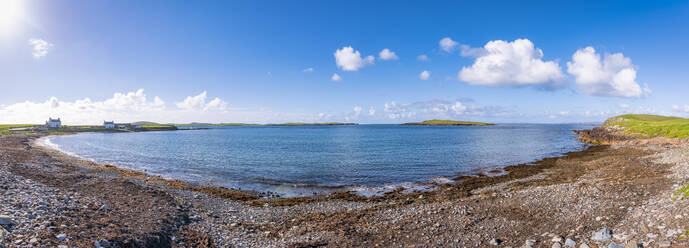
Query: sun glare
10	13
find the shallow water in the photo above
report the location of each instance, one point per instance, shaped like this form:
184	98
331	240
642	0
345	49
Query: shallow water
300	160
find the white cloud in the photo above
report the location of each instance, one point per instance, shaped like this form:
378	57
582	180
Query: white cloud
458	107
422	57
371	111
336	78
623	106
438	109
516	63
679	108
614	75
425	75
198	102
348	59
386	54
467	51
446	44
357	111
122	106
40	47
310	69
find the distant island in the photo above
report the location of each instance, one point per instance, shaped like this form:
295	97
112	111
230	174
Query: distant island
313	124
448	123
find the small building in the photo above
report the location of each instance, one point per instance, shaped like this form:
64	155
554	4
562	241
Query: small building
109	124
53	123
123	125
38	128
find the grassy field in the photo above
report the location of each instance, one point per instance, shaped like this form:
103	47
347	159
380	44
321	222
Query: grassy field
651	125
5	128
448	123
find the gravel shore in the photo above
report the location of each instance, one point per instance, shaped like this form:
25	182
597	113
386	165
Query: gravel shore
605	196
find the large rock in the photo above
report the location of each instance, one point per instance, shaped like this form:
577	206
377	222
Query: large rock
3	236
5	220
615	245
61	237
602	235
570	242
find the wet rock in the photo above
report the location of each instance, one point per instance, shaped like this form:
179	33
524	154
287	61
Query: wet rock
529	243
3	235
633	244
665	244
61	237
615	245
5	220
104	208
570	242
602	235
101	244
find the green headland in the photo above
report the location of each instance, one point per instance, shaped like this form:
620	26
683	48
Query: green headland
646	126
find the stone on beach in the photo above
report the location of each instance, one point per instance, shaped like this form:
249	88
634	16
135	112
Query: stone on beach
61	237
495	241
602	235
570	242
5	220
3	234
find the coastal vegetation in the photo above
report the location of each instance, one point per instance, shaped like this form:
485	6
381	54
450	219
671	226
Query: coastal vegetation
647	126
436	122
681	193
5	128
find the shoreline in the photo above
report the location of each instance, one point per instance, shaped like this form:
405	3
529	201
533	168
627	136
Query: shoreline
405	188
571	196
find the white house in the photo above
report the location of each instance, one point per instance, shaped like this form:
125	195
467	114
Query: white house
123	125
53	123
109	124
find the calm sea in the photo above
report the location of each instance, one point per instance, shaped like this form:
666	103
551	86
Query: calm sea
300	160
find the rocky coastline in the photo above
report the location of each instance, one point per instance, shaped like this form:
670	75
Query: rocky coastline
620	193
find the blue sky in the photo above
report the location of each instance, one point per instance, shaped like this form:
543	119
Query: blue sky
247	61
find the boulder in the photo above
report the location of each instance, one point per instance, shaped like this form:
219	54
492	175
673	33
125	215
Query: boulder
602	235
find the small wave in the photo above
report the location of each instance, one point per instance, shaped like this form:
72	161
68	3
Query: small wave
48	143
406	187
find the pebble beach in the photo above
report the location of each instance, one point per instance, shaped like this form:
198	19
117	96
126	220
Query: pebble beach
620	195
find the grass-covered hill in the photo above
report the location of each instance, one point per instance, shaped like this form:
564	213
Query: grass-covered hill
448	123
646	126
